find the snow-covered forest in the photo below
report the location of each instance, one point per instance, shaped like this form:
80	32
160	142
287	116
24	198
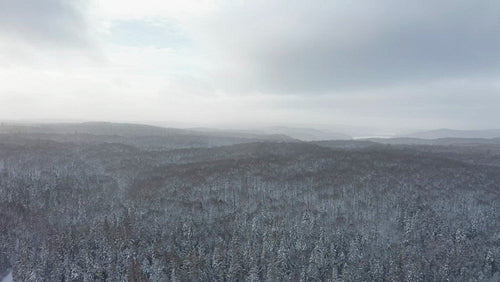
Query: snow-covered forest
179	206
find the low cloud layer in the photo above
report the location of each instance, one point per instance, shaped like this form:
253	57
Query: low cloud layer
322	47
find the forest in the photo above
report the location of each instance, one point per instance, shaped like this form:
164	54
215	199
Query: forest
140	204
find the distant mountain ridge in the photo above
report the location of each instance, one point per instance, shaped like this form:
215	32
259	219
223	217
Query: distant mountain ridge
300	133
454	133
127	129
140	135
94	128
307	134
436	141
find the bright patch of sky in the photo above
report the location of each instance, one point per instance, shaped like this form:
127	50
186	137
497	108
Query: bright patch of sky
154	34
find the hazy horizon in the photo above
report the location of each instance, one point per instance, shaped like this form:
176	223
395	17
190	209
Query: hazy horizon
336	131
372	68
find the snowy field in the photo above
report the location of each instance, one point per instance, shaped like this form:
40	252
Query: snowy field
8	278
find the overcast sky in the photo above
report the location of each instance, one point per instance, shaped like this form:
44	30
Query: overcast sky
386	64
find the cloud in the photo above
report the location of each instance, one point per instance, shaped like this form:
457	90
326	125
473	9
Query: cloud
54	23
448	103
146	34
328	46
387	64
153	9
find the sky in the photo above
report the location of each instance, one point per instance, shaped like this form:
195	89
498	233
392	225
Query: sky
386	65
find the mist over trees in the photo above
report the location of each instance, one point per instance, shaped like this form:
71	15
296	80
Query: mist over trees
75	208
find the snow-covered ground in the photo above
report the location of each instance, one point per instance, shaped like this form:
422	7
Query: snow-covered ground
8	278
